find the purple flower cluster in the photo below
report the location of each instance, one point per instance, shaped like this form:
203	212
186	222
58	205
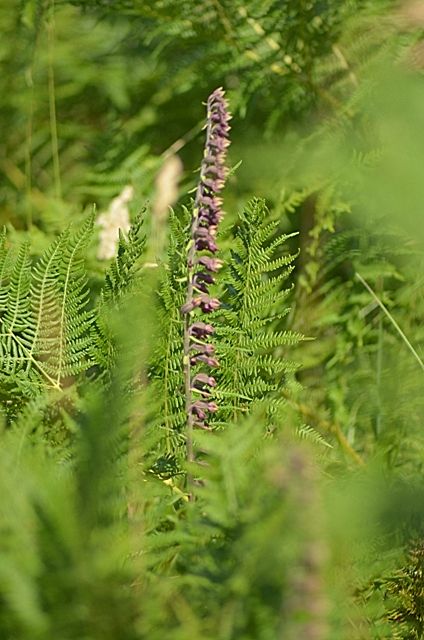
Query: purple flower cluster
199	352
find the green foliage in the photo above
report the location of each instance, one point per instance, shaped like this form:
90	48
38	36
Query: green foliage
61	573
406	586
267	48
85	96
120	279
49	334
167	364
45	324
106	532
253	303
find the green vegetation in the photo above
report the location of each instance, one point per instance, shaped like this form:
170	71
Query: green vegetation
211	426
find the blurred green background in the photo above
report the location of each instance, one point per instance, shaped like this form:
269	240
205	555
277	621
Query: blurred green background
327	98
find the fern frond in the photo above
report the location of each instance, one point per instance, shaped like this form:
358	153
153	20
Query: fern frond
126	266
44	330
253	301
46	308
167	365
74	319
5	267
120	279
306	432
17	332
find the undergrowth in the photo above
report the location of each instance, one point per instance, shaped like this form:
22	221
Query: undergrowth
217	432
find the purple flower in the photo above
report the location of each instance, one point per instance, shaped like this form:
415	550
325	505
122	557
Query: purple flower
209	218
212	264
213	185
202	281
204	240
188	306
207	214
203	347
201	330
202	276
202	379
201	408
208	304
211	362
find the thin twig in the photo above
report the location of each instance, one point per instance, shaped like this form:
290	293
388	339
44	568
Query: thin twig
181	142
391	318
52	104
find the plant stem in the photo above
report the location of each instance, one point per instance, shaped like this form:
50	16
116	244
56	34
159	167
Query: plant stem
191	254
392	320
